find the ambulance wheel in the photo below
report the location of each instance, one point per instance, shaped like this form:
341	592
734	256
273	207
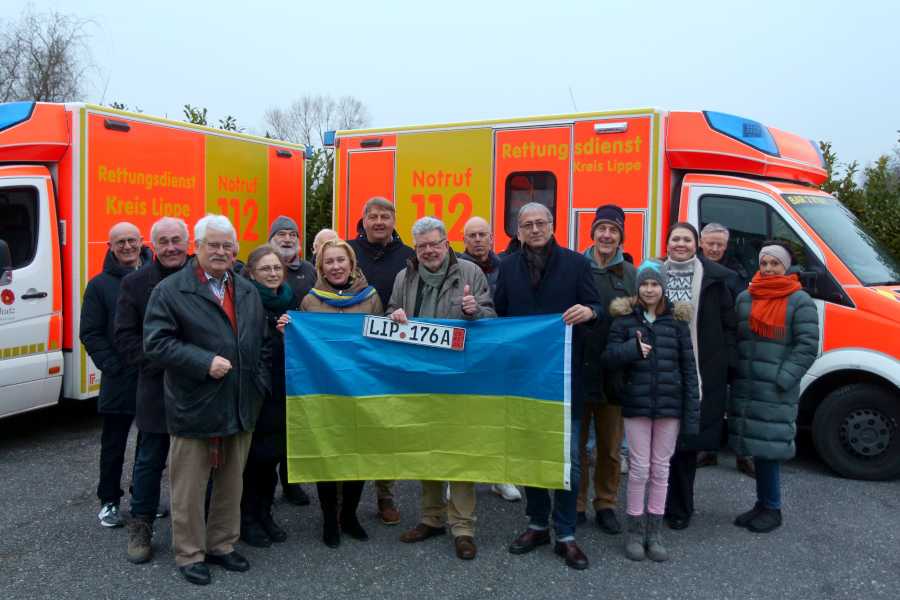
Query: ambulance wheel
856	431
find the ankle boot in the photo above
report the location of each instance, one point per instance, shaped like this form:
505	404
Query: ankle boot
655	549
331	534
351	526
634	540
272	529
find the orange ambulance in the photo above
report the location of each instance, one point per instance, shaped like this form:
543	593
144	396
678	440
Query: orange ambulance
661	167
68	172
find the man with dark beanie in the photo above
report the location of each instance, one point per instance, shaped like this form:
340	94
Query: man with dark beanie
615	278
381	254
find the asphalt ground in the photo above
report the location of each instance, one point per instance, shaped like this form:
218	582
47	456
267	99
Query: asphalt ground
840	539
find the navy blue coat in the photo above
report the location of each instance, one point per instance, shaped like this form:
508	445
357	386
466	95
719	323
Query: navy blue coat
567	281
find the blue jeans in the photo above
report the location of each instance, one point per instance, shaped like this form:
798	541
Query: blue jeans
768	482
152	452
564	503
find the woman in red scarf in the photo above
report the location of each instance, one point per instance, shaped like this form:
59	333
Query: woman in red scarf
778	340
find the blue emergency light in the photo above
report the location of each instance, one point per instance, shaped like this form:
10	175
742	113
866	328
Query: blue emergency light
13	113
752	133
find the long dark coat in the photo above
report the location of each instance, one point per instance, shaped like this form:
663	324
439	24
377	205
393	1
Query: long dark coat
150	407
762	410
184	329
118	384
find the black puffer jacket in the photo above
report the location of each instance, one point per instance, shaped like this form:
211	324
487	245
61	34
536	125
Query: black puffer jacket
118	384
380	264
150	408
184	329
665	383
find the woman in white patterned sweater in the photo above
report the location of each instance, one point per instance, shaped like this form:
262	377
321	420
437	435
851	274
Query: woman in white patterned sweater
703	283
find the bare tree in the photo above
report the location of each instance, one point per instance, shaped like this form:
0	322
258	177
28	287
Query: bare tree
43	57
306	120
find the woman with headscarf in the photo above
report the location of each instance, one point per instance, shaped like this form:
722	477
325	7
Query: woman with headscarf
778	340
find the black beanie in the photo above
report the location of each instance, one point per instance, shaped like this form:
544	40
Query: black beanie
609	213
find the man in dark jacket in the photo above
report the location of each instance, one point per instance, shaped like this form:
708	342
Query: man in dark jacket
284	236
380	254
714	244
544	278
118	384
614	278
479	249
169	237
207	328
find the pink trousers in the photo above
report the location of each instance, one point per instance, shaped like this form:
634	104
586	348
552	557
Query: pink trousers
651	443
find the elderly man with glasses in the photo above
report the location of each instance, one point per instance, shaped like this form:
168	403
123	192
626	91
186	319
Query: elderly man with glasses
436	285
545	278
207	329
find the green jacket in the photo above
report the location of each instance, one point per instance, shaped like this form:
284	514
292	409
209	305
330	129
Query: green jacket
762	408
600	385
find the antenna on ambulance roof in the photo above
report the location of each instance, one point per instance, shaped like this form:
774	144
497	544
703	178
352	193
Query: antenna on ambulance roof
572	96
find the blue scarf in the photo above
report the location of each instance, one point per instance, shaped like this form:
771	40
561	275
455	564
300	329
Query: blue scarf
339	300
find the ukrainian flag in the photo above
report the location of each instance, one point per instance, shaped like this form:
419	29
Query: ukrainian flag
360	408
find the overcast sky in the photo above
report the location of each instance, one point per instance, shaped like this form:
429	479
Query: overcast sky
826	70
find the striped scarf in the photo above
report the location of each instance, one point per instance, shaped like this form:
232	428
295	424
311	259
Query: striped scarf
339	300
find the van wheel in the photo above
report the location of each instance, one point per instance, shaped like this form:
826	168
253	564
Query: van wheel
856	431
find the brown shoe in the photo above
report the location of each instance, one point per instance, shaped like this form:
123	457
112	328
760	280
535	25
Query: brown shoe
575	558
707	459
465	547
388	512
745	465
528	541
420	533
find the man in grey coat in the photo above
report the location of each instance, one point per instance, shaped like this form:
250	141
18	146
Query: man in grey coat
207	328
437	285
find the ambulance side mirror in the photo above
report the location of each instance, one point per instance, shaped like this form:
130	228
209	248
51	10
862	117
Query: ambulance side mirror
5	264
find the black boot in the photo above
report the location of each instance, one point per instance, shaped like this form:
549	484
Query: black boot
351	526
253	534
331	534
272	529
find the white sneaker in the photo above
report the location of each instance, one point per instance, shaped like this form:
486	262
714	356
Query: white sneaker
109	516
507	491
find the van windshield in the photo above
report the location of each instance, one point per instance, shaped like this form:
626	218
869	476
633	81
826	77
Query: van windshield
869	261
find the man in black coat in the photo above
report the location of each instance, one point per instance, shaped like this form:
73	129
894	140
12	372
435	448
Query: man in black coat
118	383
284	236
714	244
380	255
169	237
207	328
544	278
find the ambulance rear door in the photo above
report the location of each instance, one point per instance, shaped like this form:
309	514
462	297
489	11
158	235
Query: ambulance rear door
30	326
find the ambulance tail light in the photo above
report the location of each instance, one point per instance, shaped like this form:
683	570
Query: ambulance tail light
818	150
606	127
749	132
328	140
13	113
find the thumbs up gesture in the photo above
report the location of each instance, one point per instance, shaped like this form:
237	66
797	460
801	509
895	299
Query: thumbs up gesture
469	304
645	348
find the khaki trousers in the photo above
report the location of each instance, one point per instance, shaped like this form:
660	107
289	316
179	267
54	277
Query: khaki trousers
459	513
609	429
189	471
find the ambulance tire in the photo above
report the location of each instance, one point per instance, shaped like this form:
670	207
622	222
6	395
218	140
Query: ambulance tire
856	431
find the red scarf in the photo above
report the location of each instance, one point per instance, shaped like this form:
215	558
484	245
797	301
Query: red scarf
768	310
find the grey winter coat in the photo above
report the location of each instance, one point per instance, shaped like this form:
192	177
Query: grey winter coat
184	329
449	305
665	383
762	409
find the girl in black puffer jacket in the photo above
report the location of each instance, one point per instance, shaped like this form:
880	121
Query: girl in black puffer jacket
650	340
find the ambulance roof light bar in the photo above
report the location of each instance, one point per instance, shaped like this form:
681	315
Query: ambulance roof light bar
608	127
13	113
746	131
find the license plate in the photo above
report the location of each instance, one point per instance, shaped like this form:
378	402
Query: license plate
415	332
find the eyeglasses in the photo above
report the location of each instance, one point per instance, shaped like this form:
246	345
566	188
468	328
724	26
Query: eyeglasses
127	242
270	269
430	245
216	246
534	225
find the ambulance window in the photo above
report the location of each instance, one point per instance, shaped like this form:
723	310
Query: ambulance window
523	187
747	222
18	223
782	231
